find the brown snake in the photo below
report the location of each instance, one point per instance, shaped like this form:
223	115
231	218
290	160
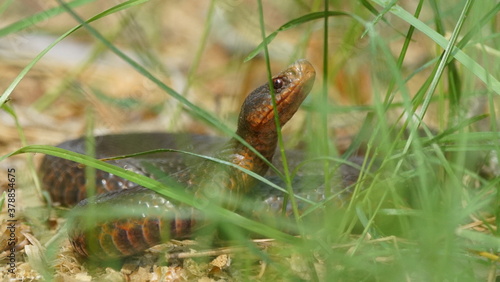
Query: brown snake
155	218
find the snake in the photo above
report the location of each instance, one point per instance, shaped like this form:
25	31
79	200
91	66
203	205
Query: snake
153	217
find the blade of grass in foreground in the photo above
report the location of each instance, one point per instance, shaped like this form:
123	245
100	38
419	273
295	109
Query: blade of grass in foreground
276	117
210	209
432	87
458	54
249	172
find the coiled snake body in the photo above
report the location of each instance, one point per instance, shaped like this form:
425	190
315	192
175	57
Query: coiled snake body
155	218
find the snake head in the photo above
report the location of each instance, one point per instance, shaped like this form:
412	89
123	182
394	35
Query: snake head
291	87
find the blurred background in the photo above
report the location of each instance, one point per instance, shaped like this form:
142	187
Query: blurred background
198	48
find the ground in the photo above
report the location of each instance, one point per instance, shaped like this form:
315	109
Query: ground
199	52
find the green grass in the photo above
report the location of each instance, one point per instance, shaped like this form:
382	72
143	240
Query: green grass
405	218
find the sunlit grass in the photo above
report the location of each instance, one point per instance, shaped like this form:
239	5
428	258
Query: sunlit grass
412	214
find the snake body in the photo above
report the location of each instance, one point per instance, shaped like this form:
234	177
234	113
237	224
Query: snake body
154	218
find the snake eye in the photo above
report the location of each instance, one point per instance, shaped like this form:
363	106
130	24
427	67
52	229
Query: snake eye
278	83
